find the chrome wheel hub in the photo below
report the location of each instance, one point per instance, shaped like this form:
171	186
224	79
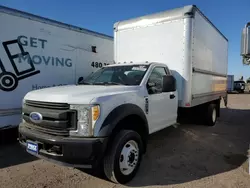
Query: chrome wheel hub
129	157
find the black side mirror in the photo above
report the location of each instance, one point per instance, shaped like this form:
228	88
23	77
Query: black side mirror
169	83
80	79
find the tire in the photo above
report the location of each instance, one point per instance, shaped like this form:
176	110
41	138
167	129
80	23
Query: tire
117	155
211	115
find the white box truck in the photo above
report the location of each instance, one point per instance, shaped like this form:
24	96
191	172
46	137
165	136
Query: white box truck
173	60
37	52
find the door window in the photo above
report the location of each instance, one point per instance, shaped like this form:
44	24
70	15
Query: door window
154	85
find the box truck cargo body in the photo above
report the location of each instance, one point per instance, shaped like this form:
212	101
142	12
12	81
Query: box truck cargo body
186	41
37	52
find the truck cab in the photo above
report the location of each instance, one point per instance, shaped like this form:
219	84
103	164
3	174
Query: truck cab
239	86
107	116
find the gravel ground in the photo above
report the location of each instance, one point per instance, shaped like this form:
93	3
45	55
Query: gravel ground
187	156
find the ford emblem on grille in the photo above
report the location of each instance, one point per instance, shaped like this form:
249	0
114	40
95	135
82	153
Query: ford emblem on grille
36	117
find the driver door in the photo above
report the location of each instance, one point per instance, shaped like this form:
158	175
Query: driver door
162	105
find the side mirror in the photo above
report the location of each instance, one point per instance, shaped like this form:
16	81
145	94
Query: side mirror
245	41
80	79
169	83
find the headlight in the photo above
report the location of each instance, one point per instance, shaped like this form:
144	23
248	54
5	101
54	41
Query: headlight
86	119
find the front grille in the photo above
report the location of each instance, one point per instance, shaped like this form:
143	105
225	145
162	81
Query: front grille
47	131
47	105
57	118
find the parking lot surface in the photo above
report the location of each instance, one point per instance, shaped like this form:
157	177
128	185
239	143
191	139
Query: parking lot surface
186	156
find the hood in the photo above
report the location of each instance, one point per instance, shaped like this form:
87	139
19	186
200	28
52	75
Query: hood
76	94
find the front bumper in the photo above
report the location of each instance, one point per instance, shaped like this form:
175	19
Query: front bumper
69	151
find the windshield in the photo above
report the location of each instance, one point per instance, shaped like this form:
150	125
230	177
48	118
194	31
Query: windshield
117	75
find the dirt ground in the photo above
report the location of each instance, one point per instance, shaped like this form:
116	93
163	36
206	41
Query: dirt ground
187	156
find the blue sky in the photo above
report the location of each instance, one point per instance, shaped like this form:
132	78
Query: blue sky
229	16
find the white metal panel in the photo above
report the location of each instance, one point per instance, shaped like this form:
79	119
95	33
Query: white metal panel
203	83
10	120
210	53
187	65
209	48
156	18
61	55
163	43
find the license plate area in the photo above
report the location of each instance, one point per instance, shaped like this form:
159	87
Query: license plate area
32	147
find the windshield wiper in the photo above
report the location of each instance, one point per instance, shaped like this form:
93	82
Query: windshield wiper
107	83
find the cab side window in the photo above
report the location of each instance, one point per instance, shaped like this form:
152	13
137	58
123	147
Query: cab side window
154	84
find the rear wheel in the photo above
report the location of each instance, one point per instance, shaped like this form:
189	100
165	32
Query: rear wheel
123	157
211	115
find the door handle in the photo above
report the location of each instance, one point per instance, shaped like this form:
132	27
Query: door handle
172	96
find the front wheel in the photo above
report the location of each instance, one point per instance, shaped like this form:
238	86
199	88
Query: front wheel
123	157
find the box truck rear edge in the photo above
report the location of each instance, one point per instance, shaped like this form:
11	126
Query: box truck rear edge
176	59
37	52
